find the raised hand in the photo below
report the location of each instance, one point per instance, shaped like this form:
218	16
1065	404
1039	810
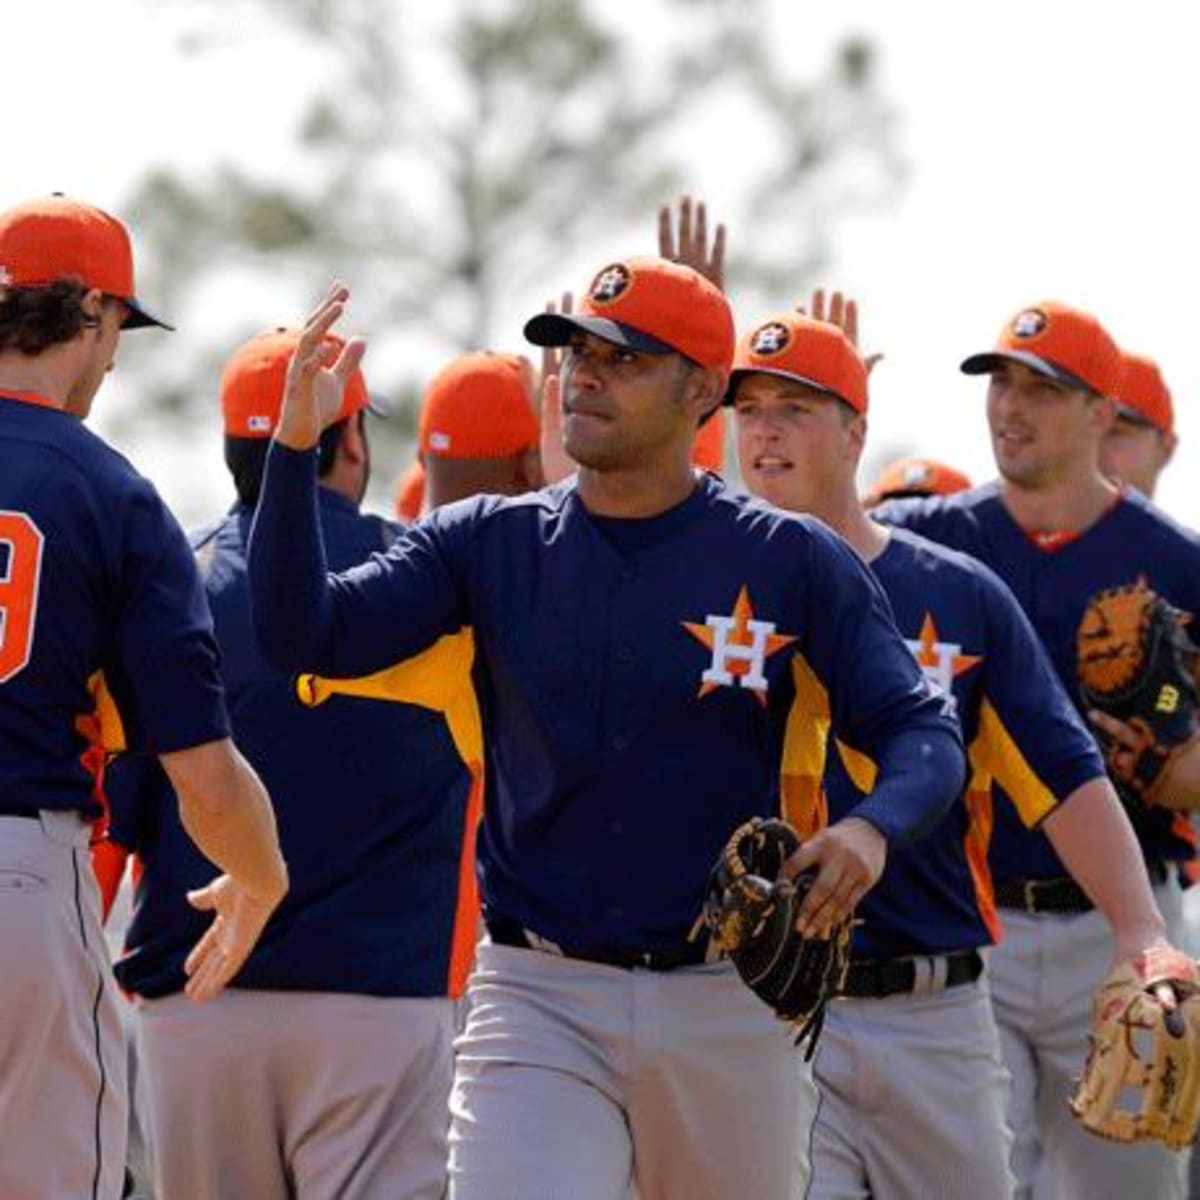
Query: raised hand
689	243
842	311
312	396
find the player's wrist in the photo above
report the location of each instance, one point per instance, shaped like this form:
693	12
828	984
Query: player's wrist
297	434
1134	941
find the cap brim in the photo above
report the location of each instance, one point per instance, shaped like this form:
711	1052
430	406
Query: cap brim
139	318
1125	413
556	329
739	373
985	364
379	405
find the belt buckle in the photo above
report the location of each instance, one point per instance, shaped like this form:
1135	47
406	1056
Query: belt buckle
930	974
545	945
1029	895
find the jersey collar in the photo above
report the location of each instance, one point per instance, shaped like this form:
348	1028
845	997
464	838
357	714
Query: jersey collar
35	398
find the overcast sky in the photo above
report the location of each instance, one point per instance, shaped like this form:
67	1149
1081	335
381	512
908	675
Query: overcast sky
1051	147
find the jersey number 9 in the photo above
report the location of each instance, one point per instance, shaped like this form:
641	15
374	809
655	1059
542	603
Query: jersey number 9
20	572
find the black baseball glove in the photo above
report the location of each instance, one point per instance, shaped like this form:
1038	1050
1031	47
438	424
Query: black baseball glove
751	911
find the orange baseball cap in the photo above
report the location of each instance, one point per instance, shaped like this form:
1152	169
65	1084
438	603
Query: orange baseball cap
410	492
1143	395
814	353
916	477
648	304
42	241
708	450
253	379
1058	341
479	406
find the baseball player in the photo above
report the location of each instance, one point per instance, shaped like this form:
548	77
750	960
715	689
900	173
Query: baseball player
1057	531
683	241
906	477
347	1000
638	656
1141	440
95	576
912	1084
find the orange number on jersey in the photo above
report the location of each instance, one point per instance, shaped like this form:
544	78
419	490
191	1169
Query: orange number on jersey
20	571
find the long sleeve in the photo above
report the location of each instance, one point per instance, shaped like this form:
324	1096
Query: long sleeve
388	608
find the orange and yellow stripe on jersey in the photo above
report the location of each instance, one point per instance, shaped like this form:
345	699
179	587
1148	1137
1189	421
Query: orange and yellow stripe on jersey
439	678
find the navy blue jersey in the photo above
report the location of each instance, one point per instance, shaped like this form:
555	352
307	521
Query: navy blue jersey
371	801
972	640
1132	540
636	677
95	576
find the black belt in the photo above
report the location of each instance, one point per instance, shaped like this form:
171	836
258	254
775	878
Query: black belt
877	977
11	810
1062	895
508	933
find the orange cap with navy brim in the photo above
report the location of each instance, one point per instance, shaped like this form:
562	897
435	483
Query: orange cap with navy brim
649	304
44	241
1062	343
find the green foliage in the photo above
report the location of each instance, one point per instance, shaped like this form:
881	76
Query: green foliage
447	164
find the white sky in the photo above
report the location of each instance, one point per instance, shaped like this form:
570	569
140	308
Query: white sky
1051	146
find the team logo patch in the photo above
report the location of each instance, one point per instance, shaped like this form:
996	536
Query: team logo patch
770	339
740	646
1029	323
940	662
610	284
258	424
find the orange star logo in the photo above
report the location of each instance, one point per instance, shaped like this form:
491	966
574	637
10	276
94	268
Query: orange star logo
740	646
942	662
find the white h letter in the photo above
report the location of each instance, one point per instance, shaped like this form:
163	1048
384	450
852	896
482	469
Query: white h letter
724	652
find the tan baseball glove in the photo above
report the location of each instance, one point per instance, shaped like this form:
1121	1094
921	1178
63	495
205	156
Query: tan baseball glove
1141	1081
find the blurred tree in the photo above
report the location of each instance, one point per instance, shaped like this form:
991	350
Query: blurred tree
446	162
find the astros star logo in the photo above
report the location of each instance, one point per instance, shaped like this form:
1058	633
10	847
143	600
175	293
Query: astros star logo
610	283
1029	323
740	647
941	662
770	339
